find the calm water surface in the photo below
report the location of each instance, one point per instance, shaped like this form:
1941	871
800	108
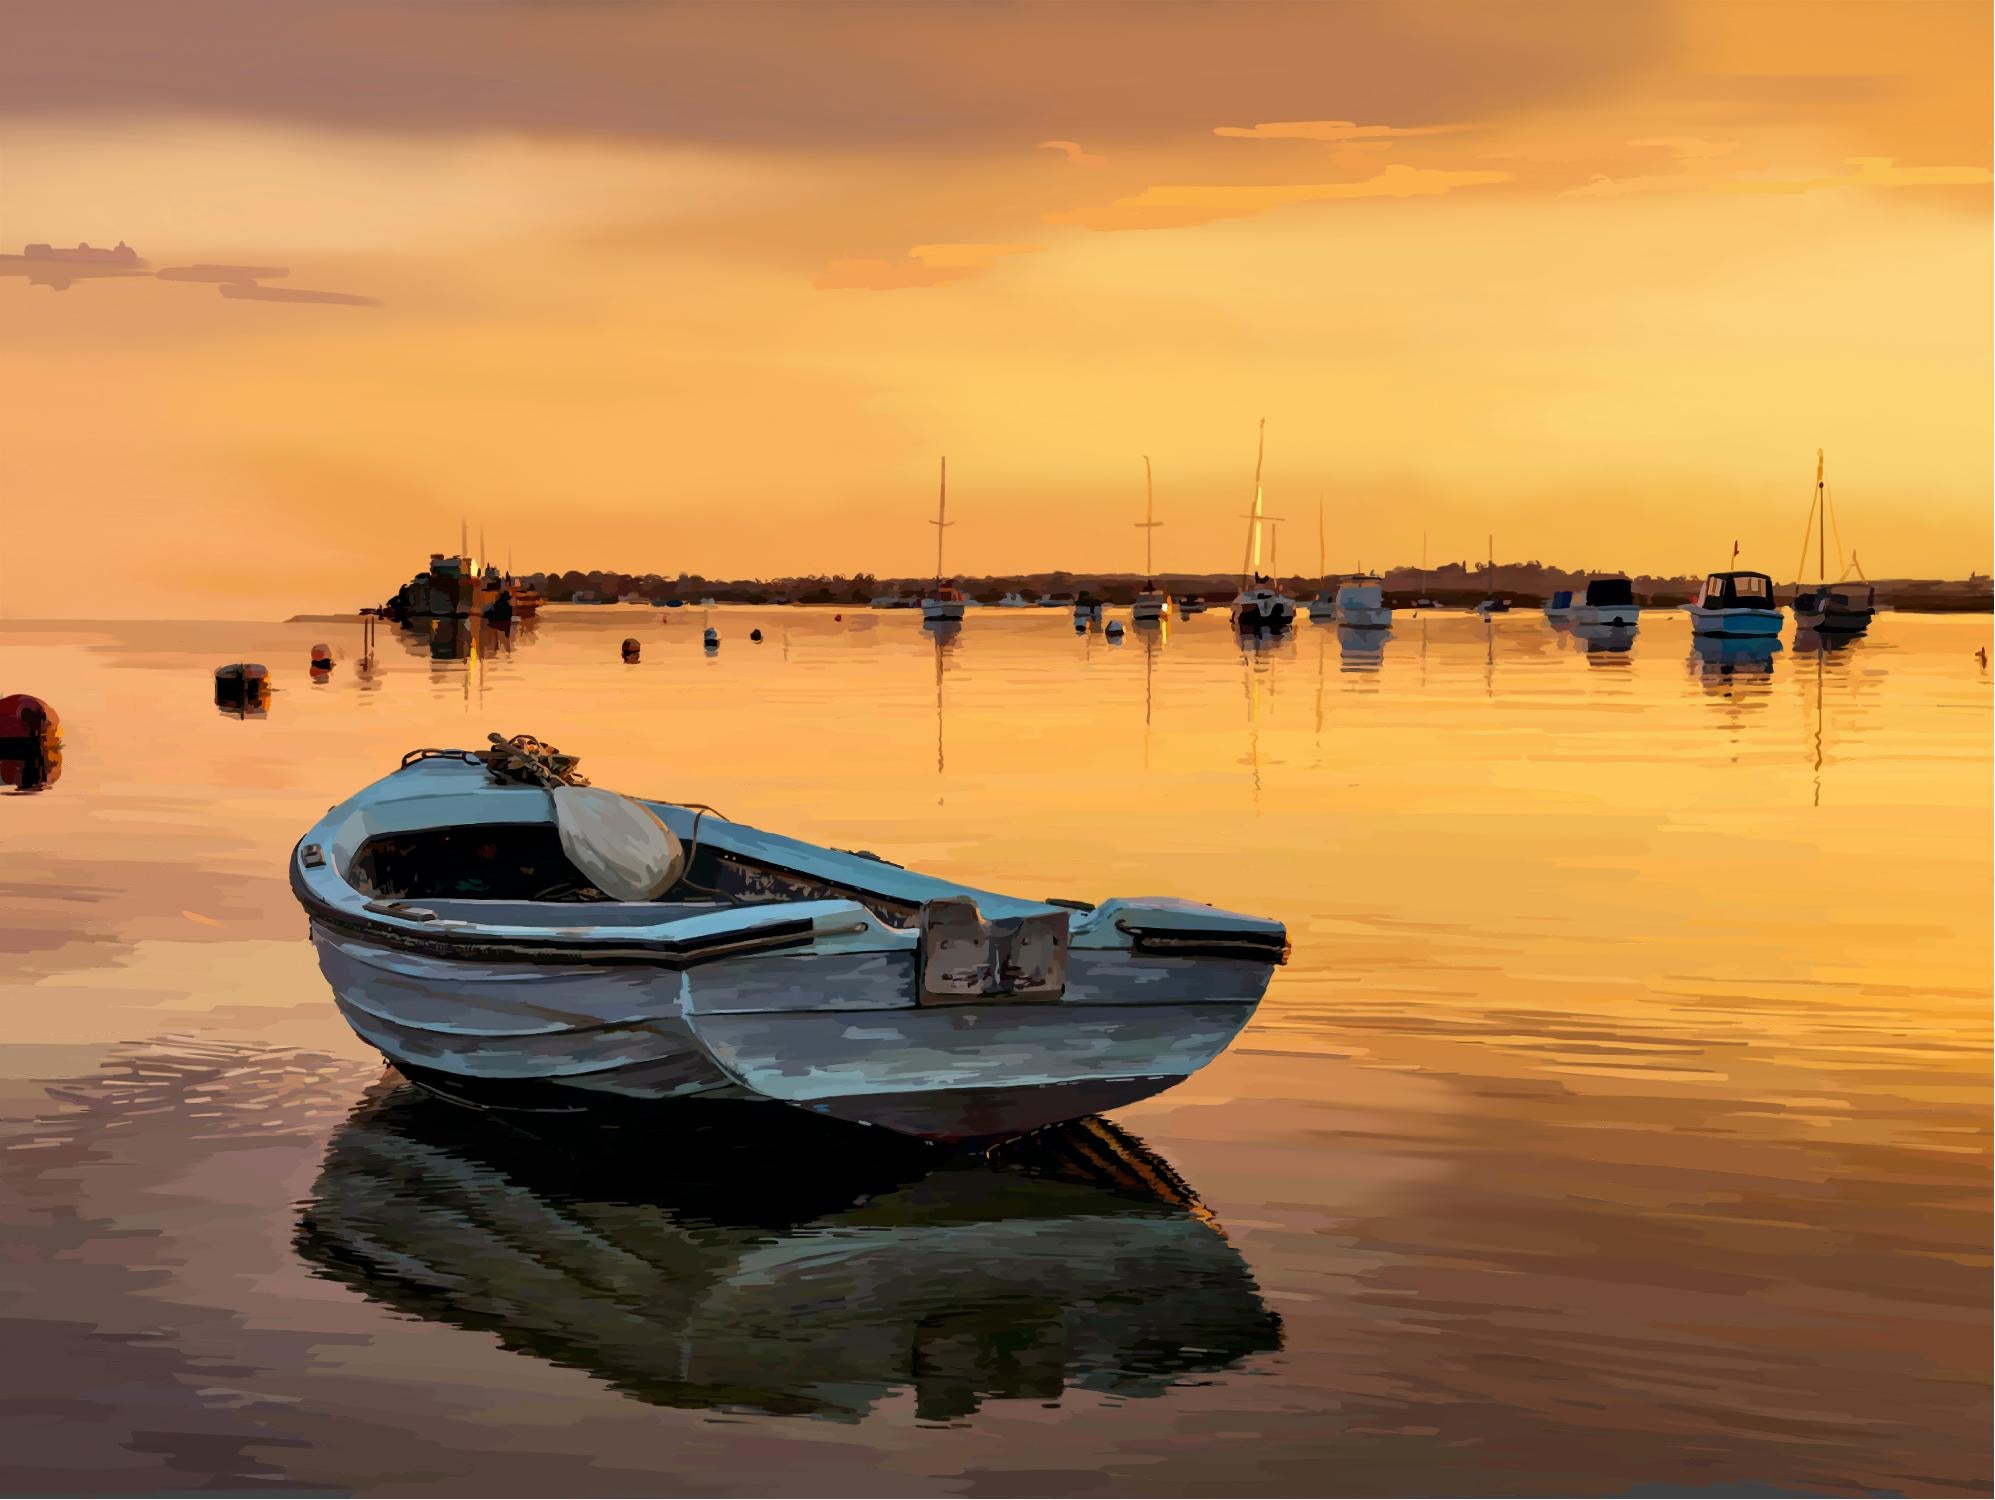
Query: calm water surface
1621	1124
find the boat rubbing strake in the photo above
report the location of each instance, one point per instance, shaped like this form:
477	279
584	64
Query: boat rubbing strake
463	940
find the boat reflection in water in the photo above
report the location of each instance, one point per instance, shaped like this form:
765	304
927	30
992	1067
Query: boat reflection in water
1607	645
1724	657
743	1270
1363	646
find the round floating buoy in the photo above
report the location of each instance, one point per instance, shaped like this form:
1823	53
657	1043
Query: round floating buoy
838	617
712	636
322	657
30	743
631	648
242	686
754	635
1115	630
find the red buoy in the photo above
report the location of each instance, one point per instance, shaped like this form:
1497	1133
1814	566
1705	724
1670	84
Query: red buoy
30	743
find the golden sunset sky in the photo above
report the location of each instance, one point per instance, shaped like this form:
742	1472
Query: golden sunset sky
710	288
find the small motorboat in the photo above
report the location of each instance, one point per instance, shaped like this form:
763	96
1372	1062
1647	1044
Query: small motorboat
1323	608
1737	605
1608	602
1558	608
502	931
1151	604
1189	605
1087	610
1014	600
1361	603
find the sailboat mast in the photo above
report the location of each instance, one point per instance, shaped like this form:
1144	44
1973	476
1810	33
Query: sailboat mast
941	519
1319	536
1149	524
1252	558
1822	529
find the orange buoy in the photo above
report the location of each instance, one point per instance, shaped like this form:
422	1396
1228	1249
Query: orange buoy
30	743
322	656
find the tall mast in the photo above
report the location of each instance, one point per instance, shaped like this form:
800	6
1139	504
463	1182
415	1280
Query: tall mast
1822	529
1149	525
1250	564
1319	536
941	522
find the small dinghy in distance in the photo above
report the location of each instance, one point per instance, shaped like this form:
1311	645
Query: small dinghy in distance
462	915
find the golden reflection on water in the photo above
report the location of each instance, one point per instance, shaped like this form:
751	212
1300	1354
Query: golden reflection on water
1622	1116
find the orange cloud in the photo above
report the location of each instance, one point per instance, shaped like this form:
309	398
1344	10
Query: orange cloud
1179	207
1867	171
926	265
1074	153
1328	130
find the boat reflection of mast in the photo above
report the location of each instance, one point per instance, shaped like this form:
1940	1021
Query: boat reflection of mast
1150	639
1818	727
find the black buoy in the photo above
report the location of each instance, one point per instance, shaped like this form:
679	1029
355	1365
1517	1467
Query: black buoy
30	743
712	639
754	635
242	688
631	648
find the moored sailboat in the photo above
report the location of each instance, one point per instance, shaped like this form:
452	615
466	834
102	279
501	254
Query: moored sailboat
1838	608
944	601
1152	602
1259	605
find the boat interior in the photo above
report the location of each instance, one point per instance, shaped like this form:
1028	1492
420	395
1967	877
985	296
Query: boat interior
509	872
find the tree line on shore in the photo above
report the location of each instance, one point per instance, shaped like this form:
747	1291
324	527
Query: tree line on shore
1447	583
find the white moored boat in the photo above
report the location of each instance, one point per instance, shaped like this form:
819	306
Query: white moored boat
1361	603
1736	604
459	910
1609	602
1014	600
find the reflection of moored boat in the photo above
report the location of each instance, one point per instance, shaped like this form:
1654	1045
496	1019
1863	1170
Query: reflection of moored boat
1739	605
1604	640
1362	646
463	939
1717	657
790	1275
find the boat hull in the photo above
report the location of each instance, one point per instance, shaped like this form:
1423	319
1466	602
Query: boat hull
1621	615
1364	617
941	609
1735	624
833	1034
